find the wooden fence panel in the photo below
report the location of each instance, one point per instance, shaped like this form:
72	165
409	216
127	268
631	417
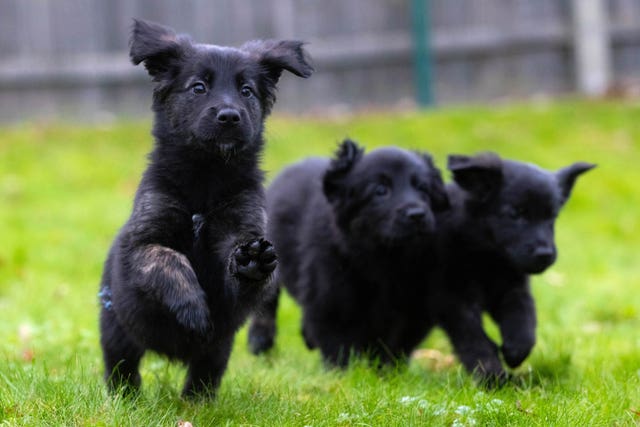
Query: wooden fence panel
69	57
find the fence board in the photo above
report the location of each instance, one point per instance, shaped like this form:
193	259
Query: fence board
74	52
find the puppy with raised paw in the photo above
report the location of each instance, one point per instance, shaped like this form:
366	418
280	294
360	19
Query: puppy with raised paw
355	237
499	231
191	262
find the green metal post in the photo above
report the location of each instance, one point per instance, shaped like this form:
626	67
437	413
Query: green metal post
423	68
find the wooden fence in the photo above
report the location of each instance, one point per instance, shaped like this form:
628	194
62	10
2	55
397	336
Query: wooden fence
69	57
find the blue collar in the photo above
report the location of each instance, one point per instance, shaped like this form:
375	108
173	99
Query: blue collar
105	297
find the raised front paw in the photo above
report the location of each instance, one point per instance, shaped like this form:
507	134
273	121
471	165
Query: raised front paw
254	261
193	314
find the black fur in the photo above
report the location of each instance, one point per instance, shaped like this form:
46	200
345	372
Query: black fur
191	261
354	240
499	231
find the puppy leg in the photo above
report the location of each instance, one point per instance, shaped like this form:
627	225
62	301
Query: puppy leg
476	351
206	370
121	355
167	276
335	354
306	336
336	343
262	331
516	316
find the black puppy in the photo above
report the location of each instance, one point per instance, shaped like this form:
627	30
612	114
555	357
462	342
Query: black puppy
499	230
191	261
354	241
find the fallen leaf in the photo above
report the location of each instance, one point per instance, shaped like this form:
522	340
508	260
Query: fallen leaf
521	409
28	355
433	359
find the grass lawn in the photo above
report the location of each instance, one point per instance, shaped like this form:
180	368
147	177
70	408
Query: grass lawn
66	189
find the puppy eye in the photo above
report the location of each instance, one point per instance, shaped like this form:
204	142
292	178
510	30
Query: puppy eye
246	91
422	187
381	190
199	88
516	212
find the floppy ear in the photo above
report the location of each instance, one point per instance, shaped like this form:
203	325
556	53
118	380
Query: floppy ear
480	175
157	46
346	156
567	177
277	55
273	56
437	191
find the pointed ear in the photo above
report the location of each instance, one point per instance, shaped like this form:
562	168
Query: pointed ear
567	177
479	175
346	156
437	192
277	55
157	46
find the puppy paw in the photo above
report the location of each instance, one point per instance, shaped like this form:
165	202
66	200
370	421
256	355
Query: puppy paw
308	341
194	316
488	370
261	336
254	261
514	354
492	380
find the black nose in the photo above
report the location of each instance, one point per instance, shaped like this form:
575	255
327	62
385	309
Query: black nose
544	256
415	213
228	117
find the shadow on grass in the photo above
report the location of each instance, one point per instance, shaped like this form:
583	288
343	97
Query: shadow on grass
544	370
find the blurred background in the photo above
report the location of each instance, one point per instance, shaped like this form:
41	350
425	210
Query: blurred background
74	131
68	58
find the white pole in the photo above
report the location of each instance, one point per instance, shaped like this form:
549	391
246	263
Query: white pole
591	46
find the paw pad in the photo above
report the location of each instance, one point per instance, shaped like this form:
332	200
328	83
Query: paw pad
255	260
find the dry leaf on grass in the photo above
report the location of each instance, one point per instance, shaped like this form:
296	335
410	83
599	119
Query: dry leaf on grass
433	359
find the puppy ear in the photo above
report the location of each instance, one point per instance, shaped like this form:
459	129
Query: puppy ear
567	177
346	156
437	191
278	55
480	175
273	56
157	46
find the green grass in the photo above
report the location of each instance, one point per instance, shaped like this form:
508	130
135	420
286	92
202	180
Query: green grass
65	190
